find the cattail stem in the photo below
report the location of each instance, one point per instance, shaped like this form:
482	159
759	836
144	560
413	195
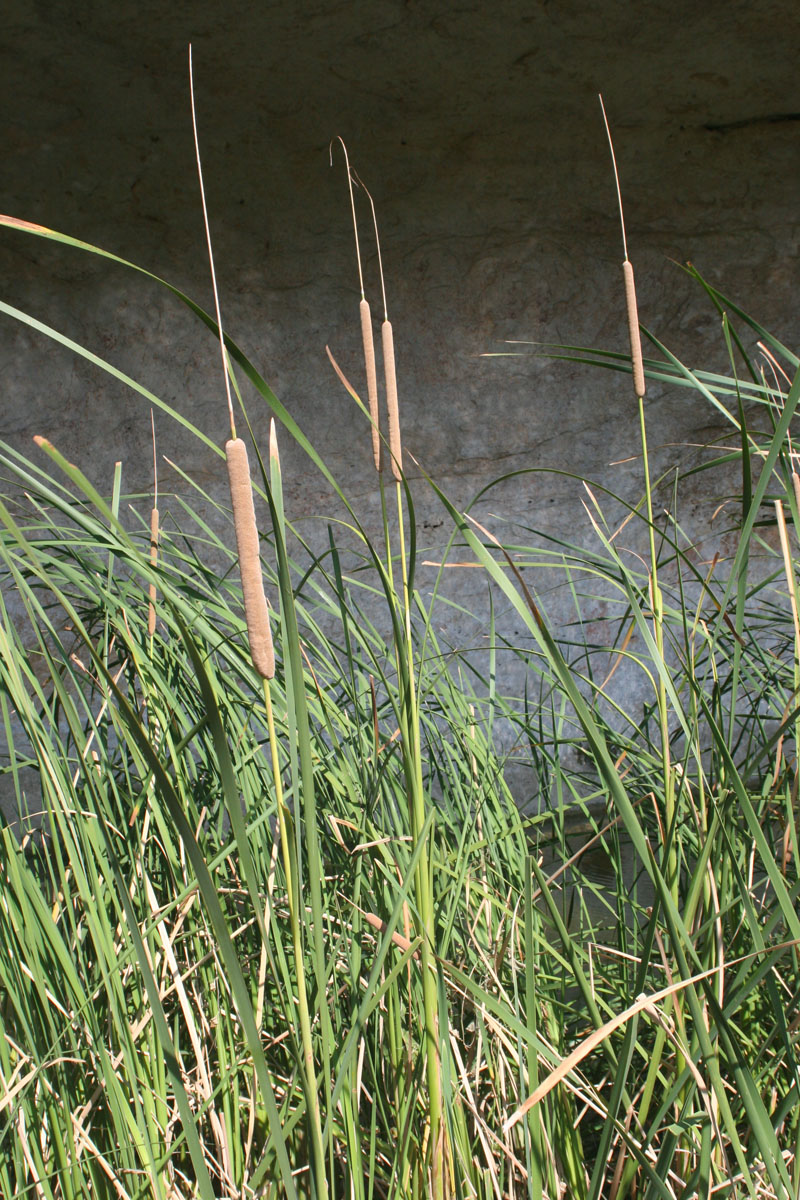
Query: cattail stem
633	330
372	382
223	351
627	271
395	444
294	898
244	521
657	605
151	612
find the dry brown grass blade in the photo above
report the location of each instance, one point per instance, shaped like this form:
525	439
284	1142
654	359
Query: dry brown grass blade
344	380
641	1004
788	569
529	600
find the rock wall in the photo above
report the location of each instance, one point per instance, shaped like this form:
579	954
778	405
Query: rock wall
478	131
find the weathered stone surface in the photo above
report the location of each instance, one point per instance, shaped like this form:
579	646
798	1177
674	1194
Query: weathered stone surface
478	131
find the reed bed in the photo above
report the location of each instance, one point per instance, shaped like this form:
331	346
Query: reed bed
272	923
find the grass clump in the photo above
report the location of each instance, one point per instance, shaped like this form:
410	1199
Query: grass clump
277	927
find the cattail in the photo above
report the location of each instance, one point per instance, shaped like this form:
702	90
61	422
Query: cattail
372	382
796	486
395	445
366	325
151	612
387	340
244	522
637	366
256	613
633	330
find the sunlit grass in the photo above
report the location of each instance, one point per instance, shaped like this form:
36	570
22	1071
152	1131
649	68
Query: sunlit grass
197	855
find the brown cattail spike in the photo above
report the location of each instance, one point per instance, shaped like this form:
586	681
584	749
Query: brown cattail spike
633	330
151	612
372	381
395	445
244	522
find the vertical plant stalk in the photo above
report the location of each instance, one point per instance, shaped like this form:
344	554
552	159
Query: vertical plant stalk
223	352
791	584
291	844
796	490
244	517
657	606
412	765
151	608
263	656
293	899
366	326
535	1131
151	612
412	761
387	345
657	603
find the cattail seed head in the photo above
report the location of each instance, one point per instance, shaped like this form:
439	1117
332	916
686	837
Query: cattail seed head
395	444
244	522
633	330
372	381
151	612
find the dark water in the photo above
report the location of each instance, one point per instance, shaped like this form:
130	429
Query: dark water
605	883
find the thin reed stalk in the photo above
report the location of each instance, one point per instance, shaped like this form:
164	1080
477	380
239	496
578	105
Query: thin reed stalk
437	1142
263	656
151	610
656	598
366	324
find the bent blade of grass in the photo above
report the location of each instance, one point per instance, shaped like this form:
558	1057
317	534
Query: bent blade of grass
723	303
656	370
233	350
